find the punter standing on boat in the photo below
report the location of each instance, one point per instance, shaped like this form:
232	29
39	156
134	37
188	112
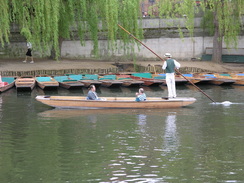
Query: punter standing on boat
92	95
169	66
140	96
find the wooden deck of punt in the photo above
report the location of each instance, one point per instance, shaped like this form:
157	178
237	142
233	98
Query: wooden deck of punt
132	82
89	82
46	82
113	102
25	83
217	81
150	81
111	83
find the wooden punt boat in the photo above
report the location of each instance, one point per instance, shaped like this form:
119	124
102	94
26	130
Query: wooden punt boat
110	81
148	79
128	81
68	83
46	82
218	81
178	80
6	83
196	79
113	102
239	82
25	83
90	79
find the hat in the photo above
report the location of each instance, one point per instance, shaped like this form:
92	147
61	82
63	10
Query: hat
167	55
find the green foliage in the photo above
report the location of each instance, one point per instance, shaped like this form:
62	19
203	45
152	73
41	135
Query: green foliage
45	22
179	10
224	15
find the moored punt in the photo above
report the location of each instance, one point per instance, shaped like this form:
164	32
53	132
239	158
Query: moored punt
196	79
25	83
6	83
68	83
128	81
46	82
218	81
110	81
148	79
90	79
239	82
114	102
178	80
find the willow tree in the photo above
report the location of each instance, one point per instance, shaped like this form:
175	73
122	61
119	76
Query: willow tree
47	22
222	17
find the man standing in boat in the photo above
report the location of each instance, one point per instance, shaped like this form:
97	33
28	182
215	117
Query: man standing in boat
169	66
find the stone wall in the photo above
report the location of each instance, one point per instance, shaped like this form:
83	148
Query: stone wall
161	36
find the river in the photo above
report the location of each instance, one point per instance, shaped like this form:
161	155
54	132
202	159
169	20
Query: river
199	143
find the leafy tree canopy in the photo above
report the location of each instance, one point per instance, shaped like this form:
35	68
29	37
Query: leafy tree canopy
44	22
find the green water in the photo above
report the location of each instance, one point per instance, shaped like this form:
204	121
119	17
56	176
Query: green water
200	143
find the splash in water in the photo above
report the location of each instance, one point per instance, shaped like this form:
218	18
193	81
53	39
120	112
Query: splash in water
225	103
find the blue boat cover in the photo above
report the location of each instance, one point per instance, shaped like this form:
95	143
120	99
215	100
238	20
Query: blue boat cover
61	78
90	77
43	79
188	75
142	75
8	79
76	77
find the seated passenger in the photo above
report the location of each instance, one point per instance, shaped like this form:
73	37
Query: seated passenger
92	95
141	96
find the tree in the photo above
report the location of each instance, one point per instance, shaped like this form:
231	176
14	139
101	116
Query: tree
47	22
223	18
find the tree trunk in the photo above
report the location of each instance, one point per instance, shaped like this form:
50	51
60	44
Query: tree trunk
53	52
217	41
217	48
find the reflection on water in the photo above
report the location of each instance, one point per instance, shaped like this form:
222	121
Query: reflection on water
171	141
199	143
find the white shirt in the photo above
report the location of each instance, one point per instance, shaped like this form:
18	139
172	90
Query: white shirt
29	45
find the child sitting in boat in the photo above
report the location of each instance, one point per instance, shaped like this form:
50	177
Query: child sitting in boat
140	96
92	95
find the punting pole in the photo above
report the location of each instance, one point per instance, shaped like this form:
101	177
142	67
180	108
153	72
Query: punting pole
163	60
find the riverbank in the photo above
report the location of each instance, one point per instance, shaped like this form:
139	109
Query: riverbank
16	65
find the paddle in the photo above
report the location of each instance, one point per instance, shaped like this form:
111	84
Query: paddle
163	60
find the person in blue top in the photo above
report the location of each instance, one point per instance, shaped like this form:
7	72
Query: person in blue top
140	96
92	95
169	66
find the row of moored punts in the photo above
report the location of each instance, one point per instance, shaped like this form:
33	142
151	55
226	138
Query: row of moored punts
73	81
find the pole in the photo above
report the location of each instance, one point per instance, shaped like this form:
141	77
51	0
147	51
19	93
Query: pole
163	60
